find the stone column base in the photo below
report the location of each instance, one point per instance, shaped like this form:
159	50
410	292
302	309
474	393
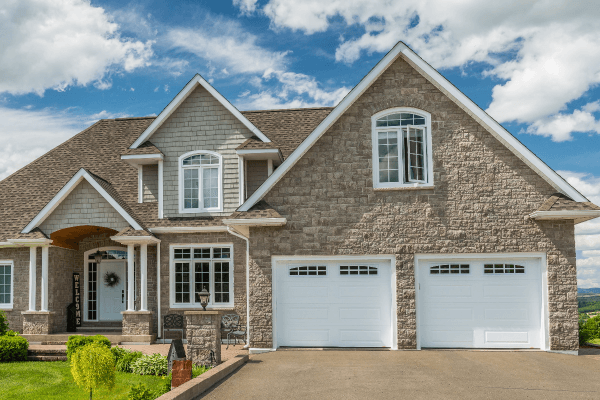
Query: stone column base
137	322
203	337
37	322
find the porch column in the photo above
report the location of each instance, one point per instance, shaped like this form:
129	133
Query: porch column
32	278
144	277
44	289
130	279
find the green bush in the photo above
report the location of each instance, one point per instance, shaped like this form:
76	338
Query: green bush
140	392
118	353
93	367
198	370
3	323
166	386
150	365
77	341
589	330
13	348
127	358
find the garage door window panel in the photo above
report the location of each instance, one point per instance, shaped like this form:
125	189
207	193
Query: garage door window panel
496	269
449	269
357	270
308	270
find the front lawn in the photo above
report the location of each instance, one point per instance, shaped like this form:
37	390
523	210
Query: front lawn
53	380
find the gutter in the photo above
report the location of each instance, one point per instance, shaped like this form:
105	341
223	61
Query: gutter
247	284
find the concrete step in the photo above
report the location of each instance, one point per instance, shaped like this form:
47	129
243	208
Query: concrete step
99	329
115	338
46	355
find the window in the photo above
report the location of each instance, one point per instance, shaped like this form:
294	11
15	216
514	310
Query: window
308	270
6	284
449	269
92	291
357	270
402	154
198	267
200	182
503	269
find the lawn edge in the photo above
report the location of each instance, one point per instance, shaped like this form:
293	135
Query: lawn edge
201	384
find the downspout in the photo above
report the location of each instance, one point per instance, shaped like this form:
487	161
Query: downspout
159	330
247	284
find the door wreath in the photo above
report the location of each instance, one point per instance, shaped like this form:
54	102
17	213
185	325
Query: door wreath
111	279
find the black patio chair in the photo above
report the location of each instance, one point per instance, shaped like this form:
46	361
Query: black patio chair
230	324
172	322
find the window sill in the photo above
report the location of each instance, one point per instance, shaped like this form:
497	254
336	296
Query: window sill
6	308
199	211
199	308
420	187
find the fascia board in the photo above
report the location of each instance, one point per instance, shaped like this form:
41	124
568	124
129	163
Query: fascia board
256	221
135	239
29	242
181	96
494	127
143	157
187	229
274	154
565	214
67	189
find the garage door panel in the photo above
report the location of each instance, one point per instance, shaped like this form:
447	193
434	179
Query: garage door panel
478	309
334	309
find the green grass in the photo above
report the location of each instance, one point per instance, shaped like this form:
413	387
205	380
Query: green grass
53	380
594	341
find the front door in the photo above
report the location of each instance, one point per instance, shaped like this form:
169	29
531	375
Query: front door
112	291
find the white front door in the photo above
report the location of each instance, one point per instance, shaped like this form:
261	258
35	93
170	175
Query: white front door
480	303
334	304
112	298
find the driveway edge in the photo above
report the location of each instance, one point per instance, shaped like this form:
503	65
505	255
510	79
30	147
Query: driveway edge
201	384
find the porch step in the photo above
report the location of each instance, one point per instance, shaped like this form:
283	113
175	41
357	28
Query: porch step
115	338
46	355
115	330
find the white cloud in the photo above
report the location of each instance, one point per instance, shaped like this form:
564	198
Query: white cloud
546	52
246	6
225	43
55	44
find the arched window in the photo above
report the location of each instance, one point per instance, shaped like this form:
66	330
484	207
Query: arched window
402	148
200	182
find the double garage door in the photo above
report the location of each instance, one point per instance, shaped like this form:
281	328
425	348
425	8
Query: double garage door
460	304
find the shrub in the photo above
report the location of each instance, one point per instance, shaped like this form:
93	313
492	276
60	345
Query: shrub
140	392
127	358
118	353
150	365
589	330
93	366
198	370
13	348
77	341
3	323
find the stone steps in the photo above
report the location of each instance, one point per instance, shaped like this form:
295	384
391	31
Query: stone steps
114	337
46	355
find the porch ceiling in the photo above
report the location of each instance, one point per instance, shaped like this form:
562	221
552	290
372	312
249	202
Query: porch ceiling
69	238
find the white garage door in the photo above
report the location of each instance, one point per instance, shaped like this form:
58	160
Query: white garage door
333	304
480	304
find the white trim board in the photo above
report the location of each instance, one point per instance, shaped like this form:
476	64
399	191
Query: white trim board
401	50
67	189
196	81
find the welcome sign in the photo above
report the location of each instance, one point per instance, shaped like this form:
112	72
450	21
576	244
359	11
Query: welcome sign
77	298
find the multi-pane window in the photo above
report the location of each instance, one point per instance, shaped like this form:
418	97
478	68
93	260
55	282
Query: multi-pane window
503	269
92	291
357	270
449	269
5	284
310	270
196	268
400	146
200	180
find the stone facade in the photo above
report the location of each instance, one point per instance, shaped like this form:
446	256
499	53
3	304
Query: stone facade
37	322
83	206
256	173
479	204
200	123
204	336
138	323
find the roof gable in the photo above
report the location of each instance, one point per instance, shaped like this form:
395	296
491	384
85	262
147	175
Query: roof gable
102	187
196	81
401	50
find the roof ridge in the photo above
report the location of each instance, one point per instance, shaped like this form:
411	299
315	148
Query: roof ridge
288	109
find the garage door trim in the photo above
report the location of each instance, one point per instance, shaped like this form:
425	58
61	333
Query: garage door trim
421	259
279	264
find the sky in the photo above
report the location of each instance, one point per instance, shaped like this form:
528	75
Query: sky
534	66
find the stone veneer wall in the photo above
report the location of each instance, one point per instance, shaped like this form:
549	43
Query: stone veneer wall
200	123
239	269
83	206
256	173
20	258
482	196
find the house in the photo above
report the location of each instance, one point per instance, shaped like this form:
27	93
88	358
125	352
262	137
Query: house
405	217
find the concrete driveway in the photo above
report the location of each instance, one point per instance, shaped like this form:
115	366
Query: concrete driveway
426	374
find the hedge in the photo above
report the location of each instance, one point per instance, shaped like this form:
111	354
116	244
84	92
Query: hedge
13	348
77	341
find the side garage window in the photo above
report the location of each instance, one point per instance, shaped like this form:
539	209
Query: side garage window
449	269
308	270
357	270
503	269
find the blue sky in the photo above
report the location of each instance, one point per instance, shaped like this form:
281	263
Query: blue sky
533	65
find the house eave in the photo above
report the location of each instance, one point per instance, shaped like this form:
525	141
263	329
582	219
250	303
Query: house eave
255	222
26	242
187	229
142	159
577	215
135	239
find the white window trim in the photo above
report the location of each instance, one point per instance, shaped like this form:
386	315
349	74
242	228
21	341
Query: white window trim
180	168
193	304
428	149
9	306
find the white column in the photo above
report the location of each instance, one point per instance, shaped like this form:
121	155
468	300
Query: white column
32	279
44	303
144	277
130	279
160	189
269	167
